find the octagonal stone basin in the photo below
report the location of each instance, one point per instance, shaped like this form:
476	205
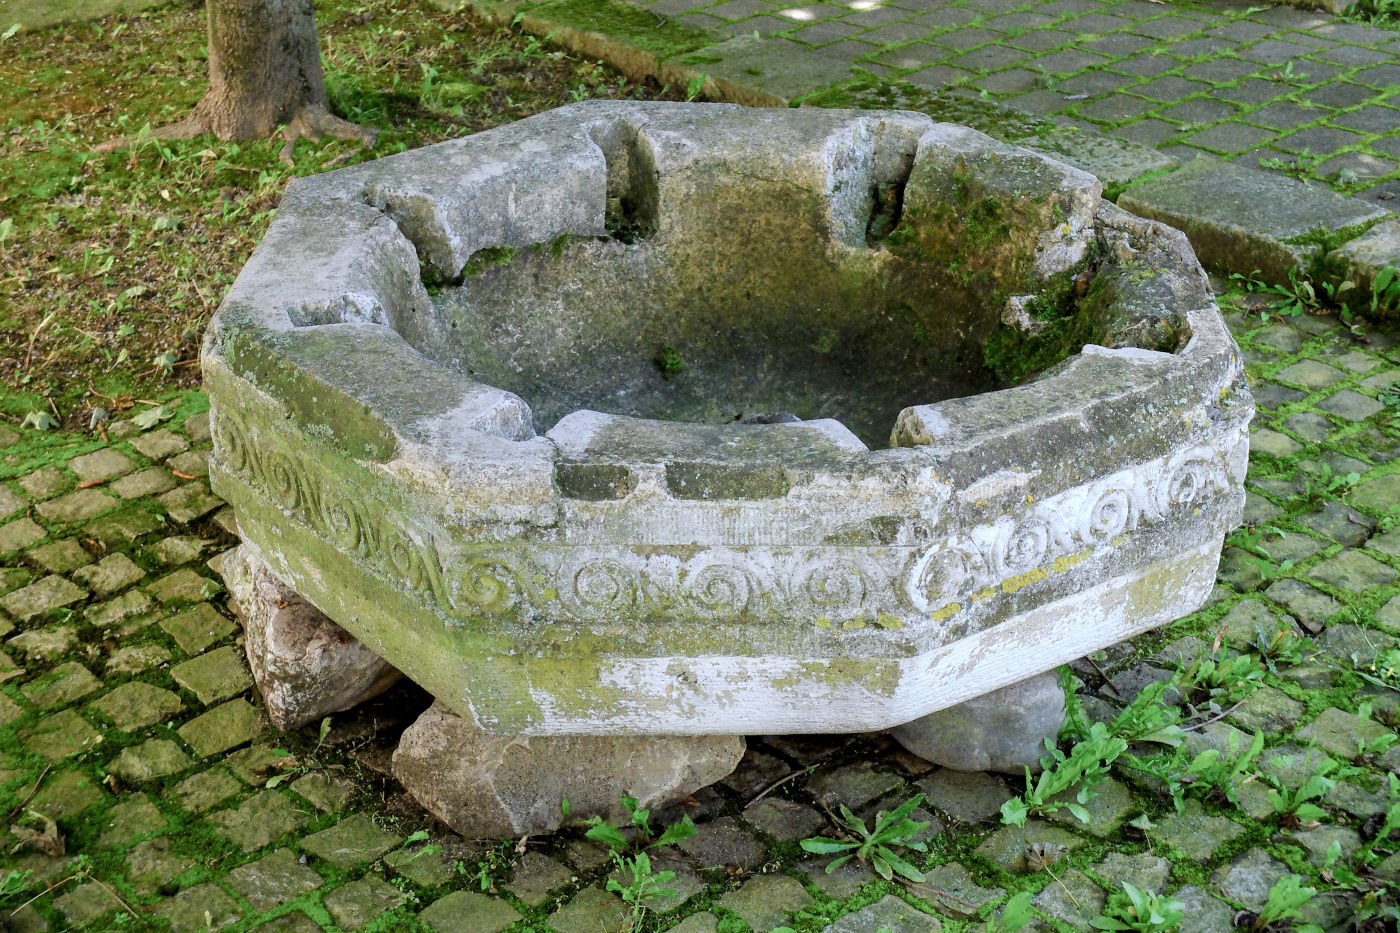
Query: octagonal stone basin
490	406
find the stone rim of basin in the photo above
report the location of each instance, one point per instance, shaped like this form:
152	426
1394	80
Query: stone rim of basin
890	575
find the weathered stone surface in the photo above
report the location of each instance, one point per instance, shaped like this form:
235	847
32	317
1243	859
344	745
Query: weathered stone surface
305	665
889	913
484	785
1365	257
1004	730
1239	217
149	761
531	577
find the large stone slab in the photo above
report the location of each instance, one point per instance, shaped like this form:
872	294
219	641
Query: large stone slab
626	531
1366	257
305	665
1004	730
1241	219
485	785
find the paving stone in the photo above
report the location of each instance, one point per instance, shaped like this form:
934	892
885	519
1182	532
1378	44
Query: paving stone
951	889
45	483
723	842
198	628
114	572
1147	871
1308	605
85	903
100	465
1338	732
1008	847
60	686
134	817
1365	257
153	864
207	789
784	820
1268	710
77	506
840	884
1341	523
1319	840
223	727
853	785
1272	443
150	482
196	427
1351	405
535	876
200	908
255	764
137	658
117	531
215	676
966	797
764	901
59	556
1246	879
1310	426
60	735
469	912
1355	645
1108	809
51	592
127	608
66	794
1075	900
758	770
1357	801
259	820
1308	675
157	445
697	923
293	922
1382	494
279	877
189	502
1389	614
1203	912
1249	621
423	866
10	502
184	584
1310	373
354	905
352	841
1354	571
1237	217
192	463
1195	832
152	760
325	792
12	578
887	915
179	549
44	644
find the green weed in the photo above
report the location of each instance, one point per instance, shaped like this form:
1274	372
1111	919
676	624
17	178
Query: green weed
877	847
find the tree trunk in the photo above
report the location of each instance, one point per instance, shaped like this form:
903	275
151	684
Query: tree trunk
264	67
264	72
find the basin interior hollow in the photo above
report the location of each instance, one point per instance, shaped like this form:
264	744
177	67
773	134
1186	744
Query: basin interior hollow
736	287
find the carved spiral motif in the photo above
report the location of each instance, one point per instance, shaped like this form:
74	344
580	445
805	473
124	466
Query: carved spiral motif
343	523
485	585
719	589
946	571
1111	513
835	586
283	479
236	451
1024	546
1186	484
603	586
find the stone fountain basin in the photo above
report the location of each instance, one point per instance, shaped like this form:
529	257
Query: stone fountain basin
486	405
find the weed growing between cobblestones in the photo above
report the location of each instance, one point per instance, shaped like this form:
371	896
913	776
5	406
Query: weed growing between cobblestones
1140	911
892	831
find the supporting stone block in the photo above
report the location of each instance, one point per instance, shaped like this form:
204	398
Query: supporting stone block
1004	730
304	664
490	785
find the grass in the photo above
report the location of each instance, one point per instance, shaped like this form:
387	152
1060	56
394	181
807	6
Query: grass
111	265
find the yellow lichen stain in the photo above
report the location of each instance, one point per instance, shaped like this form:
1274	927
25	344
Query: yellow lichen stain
1022	580
947	612
1196	512
550	593
822	622
885	620
1061	564
987	593
852	625
1119	541
1030	498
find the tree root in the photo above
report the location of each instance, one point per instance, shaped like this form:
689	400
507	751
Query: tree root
312	122
188	128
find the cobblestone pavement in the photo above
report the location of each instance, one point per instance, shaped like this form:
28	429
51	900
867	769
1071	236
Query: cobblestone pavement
1227	77
142	790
